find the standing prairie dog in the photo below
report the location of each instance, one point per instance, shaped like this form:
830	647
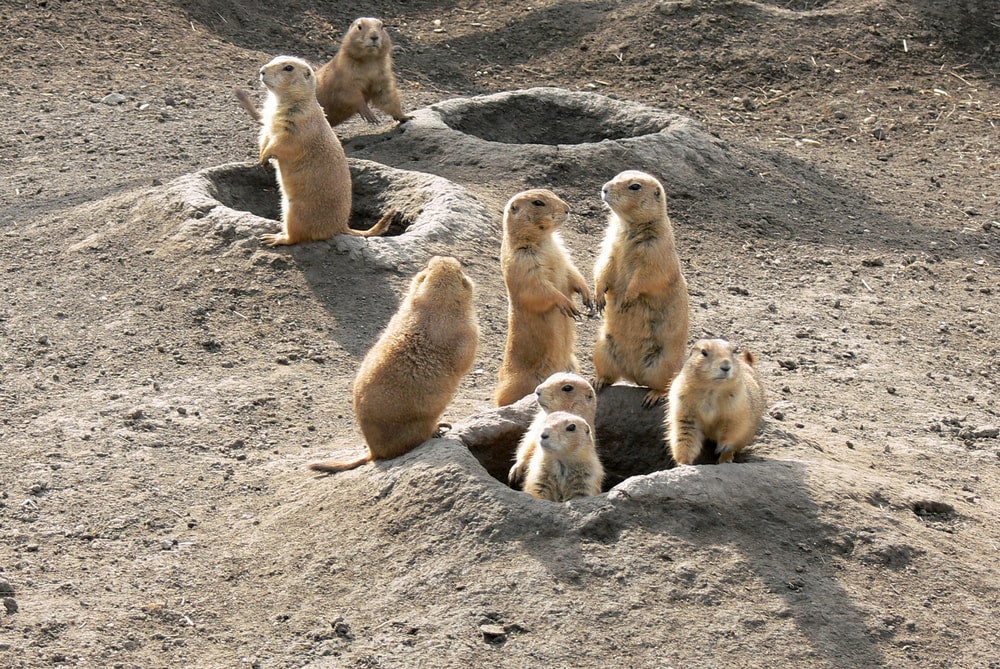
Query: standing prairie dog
563	391
717	398
411	373
360	72
312	169
541	280
638	279
565	465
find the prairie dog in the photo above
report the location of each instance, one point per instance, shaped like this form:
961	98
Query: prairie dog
565	465
563	391
360	73
409	376
541	280
312	169
639	285
717	398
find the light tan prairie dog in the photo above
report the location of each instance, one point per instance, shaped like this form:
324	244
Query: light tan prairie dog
541	281
360	73
716	398
410	375
563	391
565	465
639	285
312	169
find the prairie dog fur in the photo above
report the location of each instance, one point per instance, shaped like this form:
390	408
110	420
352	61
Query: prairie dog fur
639	285
717	397
312	169
360	73
541	280
409	376
563	391
565	465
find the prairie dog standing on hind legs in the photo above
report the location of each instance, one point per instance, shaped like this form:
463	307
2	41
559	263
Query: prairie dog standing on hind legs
312	169
541	281
360	72
716	398
410	375
640	288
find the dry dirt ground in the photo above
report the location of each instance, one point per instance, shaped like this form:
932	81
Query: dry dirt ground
161	391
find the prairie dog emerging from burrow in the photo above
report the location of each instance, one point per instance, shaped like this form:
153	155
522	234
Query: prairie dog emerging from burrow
541	281
639	285
716	398
565	465
360	73
563	391
410	375
312	169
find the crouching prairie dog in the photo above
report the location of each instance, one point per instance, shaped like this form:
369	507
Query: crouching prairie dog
640	288
360	73
565	465
541	281
716	398
409	376
312	169
562	391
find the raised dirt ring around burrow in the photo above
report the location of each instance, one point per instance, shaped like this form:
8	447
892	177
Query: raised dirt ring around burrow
240	201
548	133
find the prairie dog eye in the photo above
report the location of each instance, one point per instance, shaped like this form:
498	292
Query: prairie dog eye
635	187
704	352
538	203
571	427
288	68
567	388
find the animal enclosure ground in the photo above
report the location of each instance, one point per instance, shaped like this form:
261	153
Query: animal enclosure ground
162	391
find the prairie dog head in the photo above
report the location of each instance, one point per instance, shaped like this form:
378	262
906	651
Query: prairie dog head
289	77
717	360
636	197
565	435
442	282
564	391
534	213
366	38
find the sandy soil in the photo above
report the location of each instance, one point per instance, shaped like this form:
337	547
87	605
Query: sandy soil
163	383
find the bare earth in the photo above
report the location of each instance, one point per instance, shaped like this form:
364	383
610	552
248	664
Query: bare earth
161	392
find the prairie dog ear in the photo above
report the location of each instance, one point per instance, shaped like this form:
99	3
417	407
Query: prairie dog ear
749	358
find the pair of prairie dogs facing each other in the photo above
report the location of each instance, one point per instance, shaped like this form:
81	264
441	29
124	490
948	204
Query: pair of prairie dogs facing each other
296	131
638	285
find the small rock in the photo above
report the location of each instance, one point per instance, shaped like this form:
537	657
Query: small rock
668	8
6	589
790	365
986	432
10	605
879	134
114	99
493	633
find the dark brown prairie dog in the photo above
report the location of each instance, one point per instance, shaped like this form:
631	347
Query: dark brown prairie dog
639	285
563	391
312	169
541	280
359	74
565	465
716	398
411	373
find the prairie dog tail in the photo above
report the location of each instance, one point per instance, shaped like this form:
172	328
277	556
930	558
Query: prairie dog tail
334	467
379	228
247	103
